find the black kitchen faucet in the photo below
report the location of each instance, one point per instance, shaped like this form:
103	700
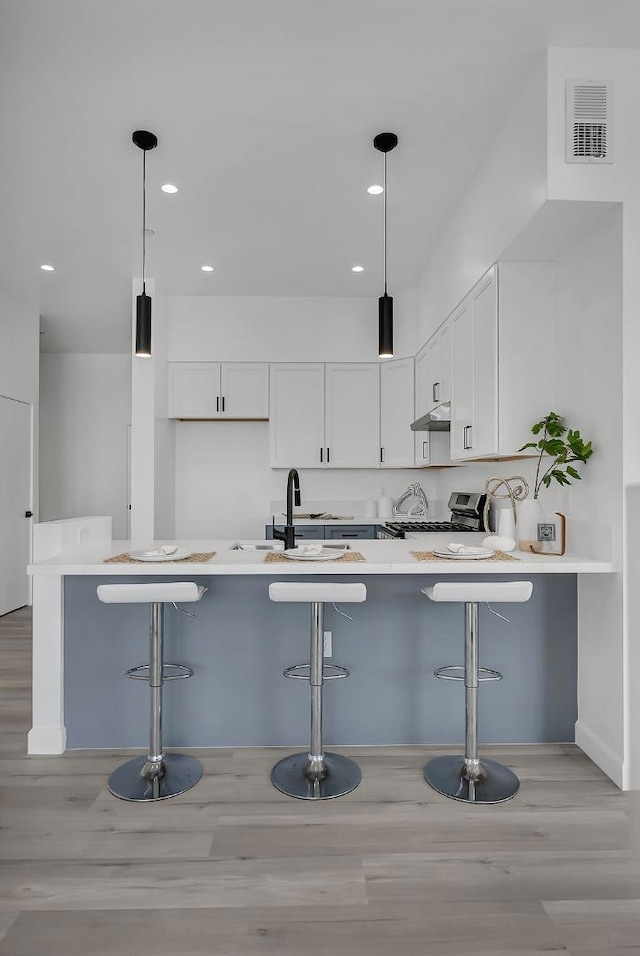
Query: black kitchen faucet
289	534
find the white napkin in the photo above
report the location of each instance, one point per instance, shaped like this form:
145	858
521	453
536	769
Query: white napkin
463	549
310	548
163	549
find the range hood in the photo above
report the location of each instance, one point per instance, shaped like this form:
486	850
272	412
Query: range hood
437	420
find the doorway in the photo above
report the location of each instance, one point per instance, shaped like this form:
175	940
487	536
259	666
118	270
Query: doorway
16	497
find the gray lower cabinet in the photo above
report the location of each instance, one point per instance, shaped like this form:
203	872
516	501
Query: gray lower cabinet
329	532
303	531
350	531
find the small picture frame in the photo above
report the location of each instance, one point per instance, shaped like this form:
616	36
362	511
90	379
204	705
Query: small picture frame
552	534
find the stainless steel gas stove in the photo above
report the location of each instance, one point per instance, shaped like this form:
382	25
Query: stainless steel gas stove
466	515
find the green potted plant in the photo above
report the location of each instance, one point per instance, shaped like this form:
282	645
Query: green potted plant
559	448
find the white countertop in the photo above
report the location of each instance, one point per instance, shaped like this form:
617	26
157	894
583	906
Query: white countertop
281	520
387	556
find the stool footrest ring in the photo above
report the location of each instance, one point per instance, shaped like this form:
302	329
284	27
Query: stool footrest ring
456	672
169	672
303	672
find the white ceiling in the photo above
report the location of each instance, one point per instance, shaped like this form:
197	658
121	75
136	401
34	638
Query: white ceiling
265	111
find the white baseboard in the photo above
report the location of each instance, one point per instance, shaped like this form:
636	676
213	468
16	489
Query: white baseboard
47	740
602	755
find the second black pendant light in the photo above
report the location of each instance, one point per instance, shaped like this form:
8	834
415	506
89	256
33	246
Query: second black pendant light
144	140
385	142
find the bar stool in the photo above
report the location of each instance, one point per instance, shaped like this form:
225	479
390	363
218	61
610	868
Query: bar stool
158	775
468	778
317	775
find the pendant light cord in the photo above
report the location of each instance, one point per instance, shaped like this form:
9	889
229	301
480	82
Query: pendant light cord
144	220
384	220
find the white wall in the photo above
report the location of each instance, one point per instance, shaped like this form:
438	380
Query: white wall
19	363
164	431
85	411
509	188
283	329
609	728
224	484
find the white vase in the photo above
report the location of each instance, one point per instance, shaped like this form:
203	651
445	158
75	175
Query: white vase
529	516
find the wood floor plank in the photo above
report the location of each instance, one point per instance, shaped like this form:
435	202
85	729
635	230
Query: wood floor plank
191	884
596	925
440	930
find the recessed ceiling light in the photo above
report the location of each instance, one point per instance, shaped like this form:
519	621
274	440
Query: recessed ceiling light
169	188
375	190
207	268
47	268
357	268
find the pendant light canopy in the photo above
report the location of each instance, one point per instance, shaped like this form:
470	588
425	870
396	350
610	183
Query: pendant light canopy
144	141
385	142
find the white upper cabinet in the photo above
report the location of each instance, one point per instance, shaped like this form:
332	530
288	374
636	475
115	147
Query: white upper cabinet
352	416
211	390
297	416
422	374
397	403
194	389
244	390
504	374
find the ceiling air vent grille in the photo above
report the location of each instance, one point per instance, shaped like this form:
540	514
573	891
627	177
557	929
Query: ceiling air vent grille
589	133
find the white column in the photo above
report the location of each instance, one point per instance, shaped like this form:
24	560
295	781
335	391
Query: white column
48	734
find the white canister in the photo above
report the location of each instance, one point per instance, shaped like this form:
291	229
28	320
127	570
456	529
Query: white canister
384	505
370	510
506	525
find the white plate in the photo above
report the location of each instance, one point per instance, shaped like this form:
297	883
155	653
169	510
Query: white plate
479	555
297	554
176	556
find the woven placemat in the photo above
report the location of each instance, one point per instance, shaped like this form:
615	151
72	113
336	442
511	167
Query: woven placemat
430	556
276	557
197	558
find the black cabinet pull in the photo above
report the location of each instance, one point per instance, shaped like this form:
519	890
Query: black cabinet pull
321	455
28	514
328	456
381	455
218	403
223	403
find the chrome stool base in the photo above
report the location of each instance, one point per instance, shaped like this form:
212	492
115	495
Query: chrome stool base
181	773
493	784
342	776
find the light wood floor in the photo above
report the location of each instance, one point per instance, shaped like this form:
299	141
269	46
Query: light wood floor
233	867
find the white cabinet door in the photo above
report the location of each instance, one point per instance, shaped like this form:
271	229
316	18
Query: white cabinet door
446	363
463	367
194	389
244	390
435	369
483	439
352	415
423	394
296	404
396	414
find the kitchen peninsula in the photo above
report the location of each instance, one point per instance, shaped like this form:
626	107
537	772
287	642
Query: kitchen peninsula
240	644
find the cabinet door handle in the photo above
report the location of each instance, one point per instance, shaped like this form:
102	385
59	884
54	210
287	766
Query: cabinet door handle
381	455
328	458
218	403
425	450
436	388
321	455
223	403
467	440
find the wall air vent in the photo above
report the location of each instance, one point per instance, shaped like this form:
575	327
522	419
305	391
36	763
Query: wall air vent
589	127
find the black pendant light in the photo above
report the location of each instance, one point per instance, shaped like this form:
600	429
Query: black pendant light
385	142
144	141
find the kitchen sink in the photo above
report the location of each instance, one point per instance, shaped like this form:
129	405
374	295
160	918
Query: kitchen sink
278	546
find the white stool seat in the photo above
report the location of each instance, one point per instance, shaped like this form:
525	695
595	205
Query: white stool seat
318	593
510	592
169	592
